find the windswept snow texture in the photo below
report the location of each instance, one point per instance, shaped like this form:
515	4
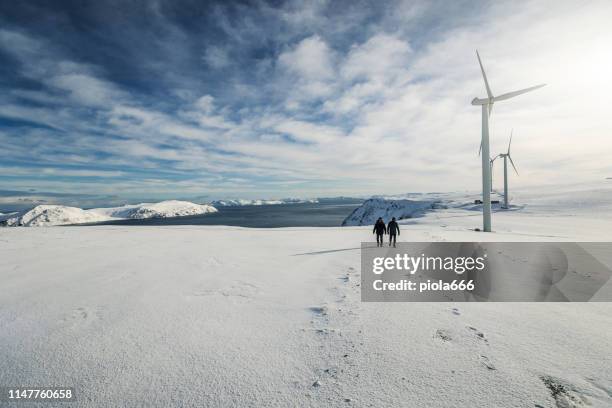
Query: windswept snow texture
50	215
239	202
211	316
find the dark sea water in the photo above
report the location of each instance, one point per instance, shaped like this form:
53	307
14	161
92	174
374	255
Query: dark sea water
325	214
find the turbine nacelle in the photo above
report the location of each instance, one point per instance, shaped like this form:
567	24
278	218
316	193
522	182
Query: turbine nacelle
480	101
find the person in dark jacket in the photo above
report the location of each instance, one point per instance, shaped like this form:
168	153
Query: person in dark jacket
393	230
380	229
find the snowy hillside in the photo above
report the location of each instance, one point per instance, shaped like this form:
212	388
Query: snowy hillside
50	215
413	205
164	209
239	202
569	200
373	208
47	215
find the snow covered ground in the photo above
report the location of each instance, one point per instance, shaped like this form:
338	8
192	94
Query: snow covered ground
223	316
51	215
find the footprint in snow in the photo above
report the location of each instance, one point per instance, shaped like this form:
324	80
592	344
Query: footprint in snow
479	335
204	292
241	289
332	372
80	312
487	363
590	392
328	332
83	315
238	289
564	393
443	335
213	262
319	310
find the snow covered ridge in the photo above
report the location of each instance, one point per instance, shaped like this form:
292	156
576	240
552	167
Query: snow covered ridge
50	215
47	215
238	202
413	205
373	208
582	198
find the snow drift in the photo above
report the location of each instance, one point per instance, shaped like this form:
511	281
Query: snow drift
50	215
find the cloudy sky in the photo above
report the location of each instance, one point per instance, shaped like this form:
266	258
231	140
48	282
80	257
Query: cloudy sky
123	100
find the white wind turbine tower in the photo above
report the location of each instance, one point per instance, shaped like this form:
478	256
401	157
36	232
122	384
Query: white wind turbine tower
507	156
487	106
491	162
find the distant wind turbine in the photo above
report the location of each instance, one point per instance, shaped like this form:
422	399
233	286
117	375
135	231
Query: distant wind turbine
487	107
507	156
491	162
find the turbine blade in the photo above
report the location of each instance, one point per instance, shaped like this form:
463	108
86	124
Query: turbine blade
513	166
490	109
509	95
510	142
480	148
484	76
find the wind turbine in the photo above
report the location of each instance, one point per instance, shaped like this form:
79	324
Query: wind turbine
491	161
507	156
487	107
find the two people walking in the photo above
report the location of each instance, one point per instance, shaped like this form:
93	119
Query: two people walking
380	229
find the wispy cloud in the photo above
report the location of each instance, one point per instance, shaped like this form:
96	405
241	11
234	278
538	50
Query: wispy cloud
301	98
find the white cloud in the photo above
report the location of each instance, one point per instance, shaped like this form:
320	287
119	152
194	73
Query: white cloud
87	90
205	103
308	132
216	57
19	45
311	59
382	57
49	171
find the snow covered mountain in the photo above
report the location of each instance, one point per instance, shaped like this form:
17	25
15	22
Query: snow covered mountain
50	215
47	215
412	205
373	208
573	199
164	209
239	202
